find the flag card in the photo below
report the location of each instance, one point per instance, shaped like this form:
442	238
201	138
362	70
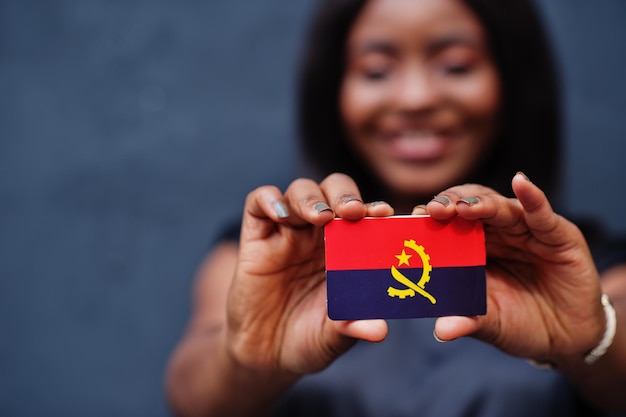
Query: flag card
404	267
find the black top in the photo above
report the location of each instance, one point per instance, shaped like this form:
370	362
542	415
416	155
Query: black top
411	374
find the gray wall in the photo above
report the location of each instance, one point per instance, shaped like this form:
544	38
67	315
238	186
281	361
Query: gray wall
590	38
130	131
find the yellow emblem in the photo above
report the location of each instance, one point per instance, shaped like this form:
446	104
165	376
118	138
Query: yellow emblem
412	287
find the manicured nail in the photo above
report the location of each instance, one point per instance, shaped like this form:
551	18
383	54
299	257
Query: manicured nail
350	199
523	175
320	207
470	201
442	199
281	210
437	338
377	203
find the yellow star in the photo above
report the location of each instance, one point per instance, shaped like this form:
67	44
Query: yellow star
403	258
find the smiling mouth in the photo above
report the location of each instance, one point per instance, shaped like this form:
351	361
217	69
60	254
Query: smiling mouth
416	145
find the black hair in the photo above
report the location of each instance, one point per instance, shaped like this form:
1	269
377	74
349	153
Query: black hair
529	133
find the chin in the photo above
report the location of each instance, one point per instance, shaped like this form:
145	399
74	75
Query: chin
412	195
419	184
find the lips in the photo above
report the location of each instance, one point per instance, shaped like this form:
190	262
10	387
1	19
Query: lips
415	145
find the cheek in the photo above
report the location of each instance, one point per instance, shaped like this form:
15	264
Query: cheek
481	99
358	104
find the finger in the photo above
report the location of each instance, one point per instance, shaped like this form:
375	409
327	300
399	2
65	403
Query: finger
473	202
264	207
368	330
444	204
547	226
379	209
494	209
307	204
420	210
343	196
454	327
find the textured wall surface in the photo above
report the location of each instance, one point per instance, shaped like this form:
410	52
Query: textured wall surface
130	131
589	37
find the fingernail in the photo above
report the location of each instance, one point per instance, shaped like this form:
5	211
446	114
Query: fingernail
377	203
320	207
437	338
470	201
419	207
523	175
442	199
281	210
350	199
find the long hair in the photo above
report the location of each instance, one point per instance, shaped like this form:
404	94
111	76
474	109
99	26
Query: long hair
529	133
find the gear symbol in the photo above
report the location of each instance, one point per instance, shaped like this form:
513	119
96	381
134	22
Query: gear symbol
426	267
394	292
426	270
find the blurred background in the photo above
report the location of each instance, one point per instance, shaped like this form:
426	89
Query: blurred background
130	133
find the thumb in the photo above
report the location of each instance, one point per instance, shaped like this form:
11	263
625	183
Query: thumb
453	327
264	207
368	330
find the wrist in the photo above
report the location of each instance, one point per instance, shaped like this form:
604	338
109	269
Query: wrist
240	389
609	332
593	355
248	366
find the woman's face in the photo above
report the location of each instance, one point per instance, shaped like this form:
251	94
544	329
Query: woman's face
420	95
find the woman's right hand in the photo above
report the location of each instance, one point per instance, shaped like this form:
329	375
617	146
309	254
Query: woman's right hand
277	321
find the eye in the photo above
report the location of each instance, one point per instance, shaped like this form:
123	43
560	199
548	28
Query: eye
373	66
375	74
455	60
457	69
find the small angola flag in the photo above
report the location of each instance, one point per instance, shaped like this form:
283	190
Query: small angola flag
405	267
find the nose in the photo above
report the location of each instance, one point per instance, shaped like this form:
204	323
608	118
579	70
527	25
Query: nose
415	90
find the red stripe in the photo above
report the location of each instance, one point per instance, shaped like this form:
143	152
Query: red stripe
373	242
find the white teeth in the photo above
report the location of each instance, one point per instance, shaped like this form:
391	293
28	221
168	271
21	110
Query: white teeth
417	134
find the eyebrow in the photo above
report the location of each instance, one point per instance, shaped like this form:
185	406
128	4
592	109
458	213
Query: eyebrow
363	48
438	44
454	39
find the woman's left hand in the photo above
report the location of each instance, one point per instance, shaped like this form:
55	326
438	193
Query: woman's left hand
543	289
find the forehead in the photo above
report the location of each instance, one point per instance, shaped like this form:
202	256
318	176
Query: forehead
415	20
